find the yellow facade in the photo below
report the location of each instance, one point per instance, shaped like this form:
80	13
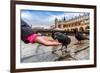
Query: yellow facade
80	23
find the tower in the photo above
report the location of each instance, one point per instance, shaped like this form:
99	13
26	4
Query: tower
64	19
56	21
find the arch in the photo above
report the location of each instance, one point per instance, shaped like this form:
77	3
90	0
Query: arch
81	29
87	28
76	29
71	29
67	29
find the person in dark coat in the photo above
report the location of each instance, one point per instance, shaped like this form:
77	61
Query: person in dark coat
28	36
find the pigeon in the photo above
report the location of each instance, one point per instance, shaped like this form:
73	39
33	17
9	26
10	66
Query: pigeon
63	39
80	36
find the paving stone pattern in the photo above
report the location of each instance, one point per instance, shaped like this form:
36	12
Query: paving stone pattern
40	53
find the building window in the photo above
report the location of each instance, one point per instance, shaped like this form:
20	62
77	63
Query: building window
78	23
72	25
59	26
64	26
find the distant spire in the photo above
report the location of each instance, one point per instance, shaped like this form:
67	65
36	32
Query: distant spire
56	19
64	19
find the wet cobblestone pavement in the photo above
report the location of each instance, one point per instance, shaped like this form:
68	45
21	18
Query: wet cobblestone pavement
40	53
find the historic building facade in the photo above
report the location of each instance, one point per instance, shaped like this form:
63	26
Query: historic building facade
79	23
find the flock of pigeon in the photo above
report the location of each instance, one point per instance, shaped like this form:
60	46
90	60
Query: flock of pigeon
65	39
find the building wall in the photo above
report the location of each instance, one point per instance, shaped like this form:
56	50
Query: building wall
80	23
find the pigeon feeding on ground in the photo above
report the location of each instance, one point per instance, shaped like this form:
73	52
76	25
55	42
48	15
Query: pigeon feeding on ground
63	39
80	36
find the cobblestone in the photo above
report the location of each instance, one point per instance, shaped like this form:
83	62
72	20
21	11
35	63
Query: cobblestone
40	53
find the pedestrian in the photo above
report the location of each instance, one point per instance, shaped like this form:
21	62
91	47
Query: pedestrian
28	36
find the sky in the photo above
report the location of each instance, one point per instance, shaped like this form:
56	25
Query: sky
45	19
